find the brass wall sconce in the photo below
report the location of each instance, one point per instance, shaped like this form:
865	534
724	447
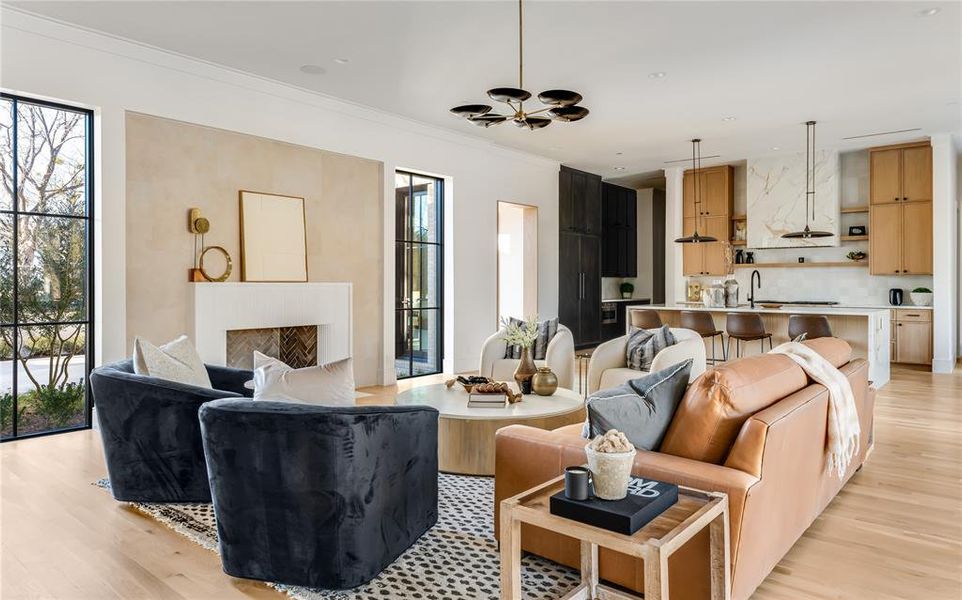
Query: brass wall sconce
200	226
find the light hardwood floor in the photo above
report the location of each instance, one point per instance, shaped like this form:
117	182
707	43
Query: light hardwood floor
894	532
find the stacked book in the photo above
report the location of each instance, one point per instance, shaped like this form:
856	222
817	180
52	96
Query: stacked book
487	400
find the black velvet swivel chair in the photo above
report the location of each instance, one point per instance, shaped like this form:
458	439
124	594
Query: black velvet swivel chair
315	496
151	433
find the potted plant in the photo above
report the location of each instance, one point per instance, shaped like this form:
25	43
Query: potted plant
522	334
921	296
627	289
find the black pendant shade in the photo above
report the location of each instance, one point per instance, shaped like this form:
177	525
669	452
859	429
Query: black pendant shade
696	238
560	105
807	233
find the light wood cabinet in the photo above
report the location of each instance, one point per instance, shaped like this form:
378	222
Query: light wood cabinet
901	173
713	217
900	214
912	336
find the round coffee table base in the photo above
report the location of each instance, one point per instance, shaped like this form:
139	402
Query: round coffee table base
466	446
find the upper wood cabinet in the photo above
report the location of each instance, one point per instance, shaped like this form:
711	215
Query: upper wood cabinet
619	224
901	173
579	201
900	215
713	217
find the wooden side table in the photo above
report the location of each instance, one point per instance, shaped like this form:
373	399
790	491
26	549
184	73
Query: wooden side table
654	543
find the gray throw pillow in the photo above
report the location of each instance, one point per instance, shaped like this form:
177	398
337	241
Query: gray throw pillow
644	344
642	409
546	331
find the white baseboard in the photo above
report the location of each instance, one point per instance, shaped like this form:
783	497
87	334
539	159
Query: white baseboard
943	365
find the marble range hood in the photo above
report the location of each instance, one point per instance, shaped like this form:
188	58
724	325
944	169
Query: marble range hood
775	193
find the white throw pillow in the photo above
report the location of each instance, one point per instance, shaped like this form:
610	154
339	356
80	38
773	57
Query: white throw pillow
327	385
174	361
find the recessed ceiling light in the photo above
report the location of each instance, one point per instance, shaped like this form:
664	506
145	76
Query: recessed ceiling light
775	148
313	69
657	75
619	168
928	12
342	61
728	119
618	153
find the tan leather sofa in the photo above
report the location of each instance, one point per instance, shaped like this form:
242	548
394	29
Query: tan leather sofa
753	428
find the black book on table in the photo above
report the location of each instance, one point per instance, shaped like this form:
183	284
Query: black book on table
646	500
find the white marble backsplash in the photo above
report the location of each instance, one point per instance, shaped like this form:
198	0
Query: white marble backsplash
775	191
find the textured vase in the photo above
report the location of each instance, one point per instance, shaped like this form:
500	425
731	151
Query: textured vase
544	382
610	473
525	371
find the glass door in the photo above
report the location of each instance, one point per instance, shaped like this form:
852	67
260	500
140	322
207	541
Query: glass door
418	270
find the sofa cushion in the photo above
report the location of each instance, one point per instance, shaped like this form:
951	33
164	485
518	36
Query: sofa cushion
644	344
718	403
546	331
174	361
836	351
642	409
331	384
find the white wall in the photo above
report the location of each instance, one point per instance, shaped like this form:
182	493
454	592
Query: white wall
511	251
46	59
945	235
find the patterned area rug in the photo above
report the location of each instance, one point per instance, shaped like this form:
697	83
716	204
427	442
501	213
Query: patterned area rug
456	559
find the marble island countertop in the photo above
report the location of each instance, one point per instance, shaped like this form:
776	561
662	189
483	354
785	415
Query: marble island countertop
785	310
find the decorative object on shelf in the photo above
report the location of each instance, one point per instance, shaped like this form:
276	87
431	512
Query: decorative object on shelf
741	229
857	230
856	255
695	238
544	382
921	296
627	289
807	233
273	237
749	258
739	257
694	291
228	267
731	293
770	304
895	296
610	457
714	295
522	334
801	259
561	104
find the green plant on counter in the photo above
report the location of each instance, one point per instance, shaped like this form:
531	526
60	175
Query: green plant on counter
627	288
921	290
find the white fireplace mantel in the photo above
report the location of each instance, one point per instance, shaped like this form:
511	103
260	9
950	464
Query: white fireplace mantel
222	307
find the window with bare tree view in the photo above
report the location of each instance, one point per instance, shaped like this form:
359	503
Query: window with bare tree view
45	267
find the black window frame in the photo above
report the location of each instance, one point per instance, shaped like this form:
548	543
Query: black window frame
438	308
89	300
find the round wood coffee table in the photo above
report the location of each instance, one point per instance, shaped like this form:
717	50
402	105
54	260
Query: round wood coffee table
466	435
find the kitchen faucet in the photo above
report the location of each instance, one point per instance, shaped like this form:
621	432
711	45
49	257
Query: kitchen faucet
751	295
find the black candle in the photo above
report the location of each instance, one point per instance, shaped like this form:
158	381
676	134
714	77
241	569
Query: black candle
576	483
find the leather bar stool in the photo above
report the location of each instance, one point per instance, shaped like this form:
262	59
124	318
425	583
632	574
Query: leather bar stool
702	323
645	319
745	327
814	326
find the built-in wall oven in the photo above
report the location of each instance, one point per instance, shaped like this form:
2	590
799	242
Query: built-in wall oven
609	313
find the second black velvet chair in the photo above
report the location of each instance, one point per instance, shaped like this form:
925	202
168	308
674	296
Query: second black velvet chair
315	496
151	434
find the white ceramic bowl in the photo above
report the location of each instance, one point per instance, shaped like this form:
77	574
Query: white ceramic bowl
921	298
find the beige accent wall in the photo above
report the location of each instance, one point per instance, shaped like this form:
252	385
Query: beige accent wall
172	166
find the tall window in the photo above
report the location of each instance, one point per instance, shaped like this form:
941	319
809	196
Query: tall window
418	323
45	267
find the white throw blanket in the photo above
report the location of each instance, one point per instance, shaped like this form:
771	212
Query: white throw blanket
843	427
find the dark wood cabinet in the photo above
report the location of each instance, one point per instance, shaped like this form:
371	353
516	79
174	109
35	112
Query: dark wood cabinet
579	286
579	201
619	223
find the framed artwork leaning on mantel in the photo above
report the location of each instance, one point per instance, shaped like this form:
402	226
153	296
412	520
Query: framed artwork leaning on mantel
273	237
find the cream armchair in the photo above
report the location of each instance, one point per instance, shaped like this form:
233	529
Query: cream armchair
560	357
608	366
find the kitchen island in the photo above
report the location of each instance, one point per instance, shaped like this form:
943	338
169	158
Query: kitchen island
867	330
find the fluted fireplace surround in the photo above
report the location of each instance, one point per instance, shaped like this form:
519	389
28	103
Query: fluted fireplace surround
275	318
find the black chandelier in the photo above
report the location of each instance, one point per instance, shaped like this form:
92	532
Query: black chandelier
561	103
695	238
807	233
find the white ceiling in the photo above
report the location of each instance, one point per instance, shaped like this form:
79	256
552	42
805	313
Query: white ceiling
856	67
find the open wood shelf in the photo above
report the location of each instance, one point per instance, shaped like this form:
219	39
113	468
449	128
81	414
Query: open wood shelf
798	265
738	242
854	209
854	238
739	217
